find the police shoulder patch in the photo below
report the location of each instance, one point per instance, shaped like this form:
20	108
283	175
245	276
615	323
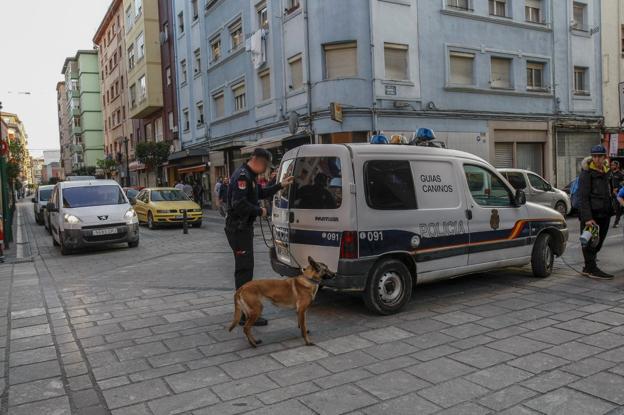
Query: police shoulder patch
242	184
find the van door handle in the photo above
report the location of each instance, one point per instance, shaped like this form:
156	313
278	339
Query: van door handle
291	217
468	214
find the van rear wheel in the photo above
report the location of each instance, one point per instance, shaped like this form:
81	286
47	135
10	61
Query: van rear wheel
542	257
389	287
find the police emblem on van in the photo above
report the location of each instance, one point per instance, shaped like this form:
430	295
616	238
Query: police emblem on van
494	219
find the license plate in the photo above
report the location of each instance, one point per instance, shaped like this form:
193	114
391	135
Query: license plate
108	231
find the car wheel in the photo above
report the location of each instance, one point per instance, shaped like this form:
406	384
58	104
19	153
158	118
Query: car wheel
561	207
388	288
150	221
64	249
133	244
542	257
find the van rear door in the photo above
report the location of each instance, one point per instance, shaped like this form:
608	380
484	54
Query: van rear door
279	216
321	206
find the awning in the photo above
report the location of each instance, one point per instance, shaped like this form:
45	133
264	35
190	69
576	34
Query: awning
194	152
266	143
136	165
230	144
193	169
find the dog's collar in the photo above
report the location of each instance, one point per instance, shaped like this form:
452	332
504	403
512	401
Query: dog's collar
312	280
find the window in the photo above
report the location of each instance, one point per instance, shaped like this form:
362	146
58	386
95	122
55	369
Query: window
538	183
142	88
170	119
395	57
292	5
389	185
219	105
200	114
129	18
516	180
486	188
215	48
181	22
340	60
532	11
158	129
236	34
168	75
140	45
183	71
319	183
263	15
138	7
195	9
498	8
501	73
197	69
461	68
579	17
580	81
165	32
132	96
239	97
265	85
185	119
459	4
149	131
535	75
296	72
131	57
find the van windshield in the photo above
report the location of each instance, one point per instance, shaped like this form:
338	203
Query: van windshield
318	183
76	197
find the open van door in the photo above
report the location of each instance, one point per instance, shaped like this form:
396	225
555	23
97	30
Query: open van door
280	214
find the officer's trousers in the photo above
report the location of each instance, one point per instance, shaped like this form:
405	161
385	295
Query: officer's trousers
241	242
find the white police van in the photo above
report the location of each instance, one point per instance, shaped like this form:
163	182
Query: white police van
386	217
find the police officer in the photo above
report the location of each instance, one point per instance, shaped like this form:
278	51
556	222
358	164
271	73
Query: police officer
243	207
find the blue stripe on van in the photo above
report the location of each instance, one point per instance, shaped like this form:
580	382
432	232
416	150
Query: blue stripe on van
318	238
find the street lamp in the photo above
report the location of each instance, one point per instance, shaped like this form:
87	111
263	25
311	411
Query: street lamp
125	141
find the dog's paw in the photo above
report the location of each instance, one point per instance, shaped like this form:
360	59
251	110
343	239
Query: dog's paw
258	341
310	344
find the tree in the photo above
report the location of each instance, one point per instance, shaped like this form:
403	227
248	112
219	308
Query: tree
152	154
108	165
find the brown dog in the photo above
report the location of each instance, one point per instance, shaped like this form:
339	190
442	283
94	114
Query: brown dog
297	293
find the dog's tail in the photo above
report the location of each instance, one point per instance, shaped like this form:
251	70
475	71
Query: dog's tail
237	312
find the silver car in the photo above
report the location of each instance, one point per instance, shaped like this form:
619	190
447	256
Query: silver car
538	190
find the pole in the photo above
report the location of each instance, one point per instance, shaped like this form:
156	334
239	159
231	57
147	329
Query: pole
127	163
4	184
184	222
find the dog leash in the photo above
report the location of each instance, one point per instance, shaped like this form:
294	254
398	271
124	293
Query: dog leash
273	239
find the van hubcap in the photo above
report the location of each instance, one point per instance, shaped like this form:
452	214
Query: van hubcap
390	287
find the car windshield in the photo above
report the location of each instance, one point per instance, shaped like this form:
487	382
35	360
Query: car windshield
84	196
169	195
44	195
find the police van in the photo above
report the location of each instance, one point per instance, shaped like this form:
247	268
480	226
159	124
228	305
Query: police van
387	217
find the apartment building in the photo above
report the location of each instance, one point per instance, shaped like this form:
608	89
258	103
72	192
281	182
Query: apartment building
82	83
110	41
15	131
64	129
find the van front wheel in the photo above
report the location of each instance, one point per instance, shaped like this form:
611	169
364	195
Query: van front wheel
389	287
542	258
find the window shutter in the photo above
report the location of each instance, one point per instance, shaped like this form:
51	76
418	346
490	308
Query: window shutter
533	3
395	57
296	73
461	68
340	60
503	155
501	69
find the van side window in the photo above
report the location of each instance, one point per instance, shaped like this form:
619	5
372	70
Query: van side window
281	198
389	185
538	183
318	183
515	179
486	188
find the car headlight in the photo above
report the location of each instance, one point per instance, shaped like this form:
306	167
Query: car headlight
130	216
71	219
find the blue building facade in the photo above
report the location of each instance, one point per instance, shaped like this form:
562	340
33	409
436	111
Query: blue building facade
517	82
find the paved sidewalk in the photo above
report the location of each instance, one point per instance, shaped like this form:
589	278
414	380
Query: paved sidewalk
142	332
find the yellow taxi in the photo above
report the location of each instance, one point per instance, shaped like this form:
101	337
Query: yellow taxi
165	205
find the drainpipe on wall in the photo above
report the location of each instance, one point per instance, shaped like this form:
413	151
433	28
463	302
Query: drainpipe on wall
308	70
372	57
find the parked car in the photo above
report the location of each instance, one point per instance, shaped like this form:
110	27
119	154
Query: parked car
89	213
42	195
538	190
79	178
387	217
164	206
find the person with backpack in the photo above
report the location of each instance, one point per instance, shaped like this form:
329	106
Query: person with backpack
595	206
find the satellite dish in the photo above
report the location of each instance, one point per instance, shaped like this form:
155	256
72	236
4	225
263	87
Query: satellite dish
293	122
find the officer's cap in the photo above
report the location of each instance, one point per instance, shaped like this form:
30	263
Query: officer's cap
263	154
598	150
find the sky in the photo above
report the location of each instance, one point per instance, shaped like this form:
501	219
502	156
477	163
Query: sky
35	38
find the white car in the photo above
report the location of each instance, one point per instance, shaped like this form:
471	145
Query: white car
42	195
89	213
538	190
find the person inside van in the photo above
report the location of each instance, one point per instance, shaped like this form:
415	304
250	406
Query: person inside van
316	195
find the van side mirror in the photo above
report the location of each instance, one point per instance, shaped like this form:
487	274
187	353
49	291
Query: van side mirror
520	198
132	200
51	208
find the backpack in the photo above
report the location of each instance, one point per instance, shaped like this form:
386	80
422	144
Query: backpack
575	195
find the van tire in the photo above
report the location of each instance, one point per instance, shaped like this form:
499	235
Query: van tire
388	274
542	257
561	207
64	249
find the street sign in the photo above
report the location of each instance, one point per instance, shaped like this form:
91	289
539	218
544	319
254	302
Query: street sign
613	144
335	110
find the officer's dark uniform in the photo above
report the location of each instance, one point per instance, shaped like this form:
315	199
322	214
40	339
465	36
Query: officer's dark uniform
243	208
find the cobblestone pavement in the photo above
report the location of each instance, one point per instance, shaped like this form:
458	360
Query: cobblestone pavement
142	331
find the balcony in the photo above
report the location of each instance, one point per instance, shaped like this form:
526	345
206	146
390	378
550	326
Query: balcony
74	93
76	130
74	112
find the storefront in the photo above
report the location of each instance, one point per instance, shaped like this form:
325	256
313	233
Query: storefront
190	166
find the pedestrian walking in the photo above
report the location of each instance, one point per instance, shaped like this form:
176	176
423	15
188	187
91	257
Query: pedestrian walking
243	198
188	189
217	187
617	181
222	196
179	185
596	208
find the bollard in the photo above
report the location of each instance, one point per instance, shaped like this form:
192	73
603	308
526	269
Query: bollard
185	222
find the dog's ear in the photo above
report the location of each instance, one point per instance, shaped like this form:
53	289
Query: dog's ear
313	263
